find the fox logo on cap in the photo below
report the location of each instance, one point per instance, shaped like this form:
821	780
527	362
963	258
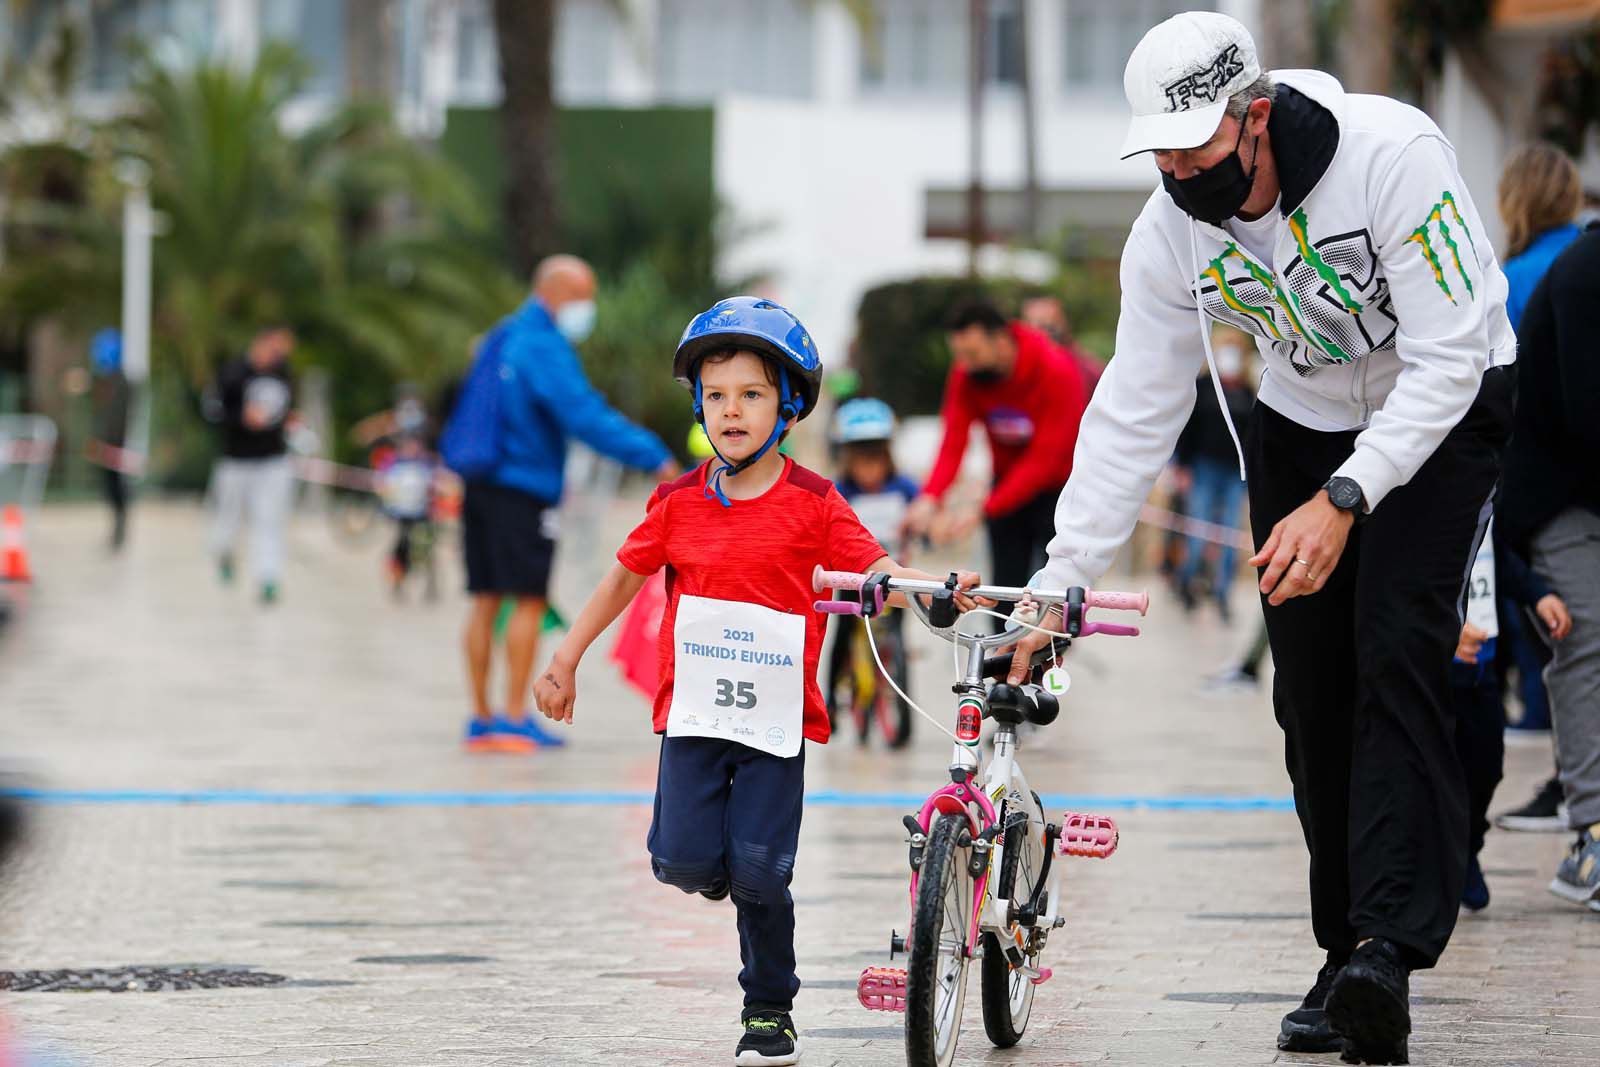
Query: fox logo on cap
1204	84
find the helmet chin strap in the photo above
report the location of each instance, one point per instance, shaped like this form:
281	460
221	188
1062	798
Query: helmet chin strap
787	409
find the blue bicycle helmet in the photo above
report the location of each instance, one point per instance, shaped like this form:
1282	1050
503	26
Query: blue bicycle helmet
761	326
862	419
768	329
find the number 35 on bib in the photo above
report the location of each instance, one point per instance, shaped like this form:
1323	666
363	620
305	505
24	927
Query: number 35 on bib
739	674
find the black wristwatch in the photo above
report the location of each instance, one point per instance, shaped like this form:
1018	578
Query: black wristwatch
1346	495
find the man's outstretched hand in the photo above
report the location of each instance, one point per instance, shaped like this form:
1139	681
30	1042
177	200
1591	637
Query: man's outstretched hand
1303	549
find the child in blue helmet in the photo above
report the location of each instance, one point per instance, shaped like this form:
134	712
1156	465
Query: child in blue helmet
739	642
863	429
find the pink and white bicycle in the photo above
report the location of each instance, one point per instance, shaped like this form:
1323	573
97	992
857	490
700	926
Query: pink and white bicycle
983	883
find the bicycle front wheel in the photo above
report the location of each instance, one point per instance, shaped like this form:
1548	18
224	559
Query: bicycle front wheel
936	975
1007	992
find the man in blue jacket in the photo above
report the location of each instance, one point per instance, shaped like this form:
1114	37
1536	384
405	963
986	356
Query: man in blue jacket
509	516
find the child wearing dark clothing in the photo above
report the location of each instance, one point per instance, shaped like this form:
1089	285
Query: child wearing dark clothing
1475	686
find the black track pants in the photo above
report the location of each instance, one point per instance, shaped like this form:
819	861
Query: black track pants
1362	686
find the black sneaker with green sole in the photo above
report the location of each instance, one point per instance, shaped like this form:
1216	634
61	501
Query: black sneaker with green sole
769	1039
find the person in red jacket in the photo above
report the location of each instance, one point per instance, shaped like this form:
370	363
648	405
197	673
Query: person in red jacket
1030	396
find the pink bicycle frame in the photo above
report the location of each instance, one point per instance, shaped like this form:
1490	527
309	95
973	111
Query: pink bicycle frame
954	799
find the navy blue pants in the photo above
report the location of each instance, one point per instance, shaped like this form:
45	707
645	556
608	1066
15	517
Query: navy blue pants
726	814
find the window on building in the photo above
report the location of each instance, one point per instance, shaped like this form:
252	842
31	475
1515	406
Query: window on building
922	45
117	31
1100	36
585	31
316	29
710	47
477	60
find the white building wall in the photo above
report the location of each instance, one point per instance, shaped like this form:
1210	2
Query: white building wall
835	185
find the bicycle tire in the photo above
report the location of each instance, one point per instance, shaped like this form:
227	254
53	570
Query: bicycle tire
1004	1018
943	881
892	713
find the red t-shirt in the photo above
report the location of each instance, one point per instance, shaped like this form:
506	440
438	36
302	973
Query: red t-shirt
1031	418
759	551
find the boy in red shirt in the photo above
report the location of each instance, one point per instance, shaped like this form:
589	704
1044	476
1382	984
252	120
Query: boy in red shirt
739	643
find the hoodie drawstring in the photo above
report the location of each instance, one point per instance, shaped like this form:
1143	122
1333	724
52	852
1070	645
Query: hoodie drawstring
1211	359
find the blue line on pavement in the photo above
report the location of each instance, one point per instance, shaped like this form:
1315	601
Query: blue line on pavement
824	798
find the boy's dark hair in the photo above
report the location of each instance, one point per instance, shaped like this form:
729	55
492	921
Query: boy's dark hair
978	312
769	365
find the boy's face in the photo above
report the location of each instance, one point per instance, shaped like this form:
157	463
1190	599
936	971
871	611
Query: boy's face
867	468
740	404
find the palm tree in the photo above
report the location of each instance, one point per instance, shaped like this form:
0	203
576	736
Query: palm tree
525	32
347	231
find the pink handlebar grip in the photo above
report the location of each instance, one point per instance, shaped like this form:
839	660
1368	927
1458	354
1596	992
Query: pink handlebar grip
1139	602
822	580
838	607
1112	629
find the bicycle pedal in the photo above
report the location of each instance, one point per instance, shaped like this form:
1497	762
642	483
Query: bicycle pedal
882	989
1089	836
1045	974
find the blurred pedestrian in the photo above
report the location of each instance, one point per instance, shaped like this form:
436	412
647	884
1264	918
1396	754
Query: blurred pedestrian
1208	470
1029	395
1499	575
111	397
253	400
525	395
1336	228
1552	509
1049	314
1540	196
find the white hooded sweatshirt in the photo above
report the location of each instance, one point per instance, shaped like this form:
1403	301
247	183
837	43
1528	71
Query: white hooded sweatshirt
1380	311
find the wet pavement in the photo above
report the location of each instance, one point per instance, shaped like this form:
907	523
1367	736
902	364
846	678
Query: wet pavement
280	792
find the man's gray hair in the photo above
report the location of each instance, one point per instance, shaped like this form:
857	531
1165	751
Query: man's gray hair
1262	87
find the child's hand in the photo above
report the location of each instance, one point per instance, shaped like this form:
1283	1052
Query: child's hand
556	691
967	580
1552	611
1471	641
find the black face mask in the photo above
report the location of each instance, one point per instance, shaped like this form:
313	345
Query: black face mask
1217	193
986	376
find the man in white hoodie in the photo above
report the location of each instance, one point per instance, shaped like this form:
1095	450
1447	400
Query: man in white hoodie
1337	230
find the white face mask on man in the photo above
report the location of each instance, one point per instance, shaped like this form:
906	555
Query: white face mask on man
575	320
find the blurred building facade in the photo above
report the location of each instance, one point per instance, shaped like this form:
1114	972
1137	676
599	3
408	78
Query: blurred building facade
840	131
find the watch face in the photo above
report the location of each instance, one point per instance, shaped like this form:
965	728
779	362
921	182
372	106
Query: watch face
1344	493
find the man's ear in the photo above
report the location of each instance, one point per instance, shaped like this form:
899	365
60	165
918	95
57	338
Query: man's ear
1260	111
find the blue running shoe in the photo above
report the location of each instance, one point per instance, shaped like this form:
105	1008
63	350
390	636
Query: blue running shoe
529	731
483	735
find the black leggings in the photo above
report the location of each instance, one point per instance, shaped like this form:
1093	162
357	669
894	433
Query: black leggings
1017	541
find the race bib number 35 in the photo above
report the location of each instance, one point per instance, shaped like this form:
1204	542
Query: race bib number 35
739	674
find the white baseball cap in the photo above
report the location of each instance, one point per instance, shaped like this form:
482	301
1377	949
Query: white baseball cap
1179	78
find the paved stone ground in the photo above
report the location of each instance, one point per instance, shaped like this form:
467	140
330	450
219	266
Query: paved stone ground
441	935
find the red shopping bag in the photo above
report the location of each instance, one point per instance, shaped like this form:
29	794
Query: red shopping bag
635	650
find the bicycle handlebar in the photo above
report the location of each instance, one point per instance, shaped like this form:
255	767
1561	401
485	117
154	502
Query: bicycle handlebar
822	580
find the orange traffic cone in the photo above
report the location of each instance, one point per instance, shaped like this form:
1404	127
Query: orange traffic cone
13	552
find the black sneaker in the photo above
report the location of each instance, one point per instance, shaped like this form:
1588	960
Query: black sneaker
1306	1028
1370	1004
769	1039
1543	814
